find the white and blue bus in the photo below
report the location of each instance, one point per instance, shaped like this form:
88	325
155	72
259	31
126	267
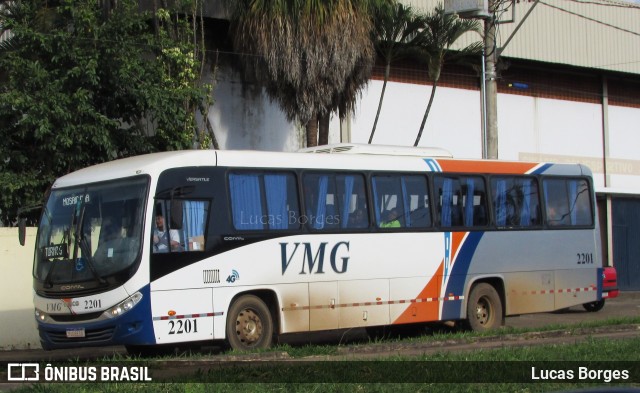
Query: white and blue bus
242	246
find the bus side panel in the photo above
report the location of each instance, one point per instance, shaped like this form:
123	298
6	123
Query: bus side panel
364	303
576	286
416	276
182	315
296	297
323	298
529	292
539	266
407	310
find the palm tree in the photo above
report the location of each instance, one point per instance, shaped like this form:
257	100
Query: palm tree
5	38
441	32
397	33
305	53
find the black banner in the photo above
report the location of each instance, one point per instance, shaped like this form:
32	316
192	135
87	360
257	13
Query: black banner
305	371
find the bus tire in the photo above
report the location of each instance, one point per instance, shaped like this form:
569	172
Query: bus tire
594	306
484	308
249	324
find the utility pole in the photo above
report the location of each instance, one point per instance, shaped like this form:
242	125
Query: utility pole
491	84
491	54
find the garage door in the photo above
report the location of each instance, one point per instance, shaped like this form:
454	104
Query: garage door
626	242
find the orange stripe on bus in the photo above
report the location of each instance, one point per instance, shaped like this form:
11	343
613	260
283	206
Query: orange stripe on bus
486	166
424	312
456	242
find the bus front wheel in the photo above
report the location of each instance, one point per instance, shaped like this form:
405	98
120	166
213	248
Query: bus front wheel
484	308
249	324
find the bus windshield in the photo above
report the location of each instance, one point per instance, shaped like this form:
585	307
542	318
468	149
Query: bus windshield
90	234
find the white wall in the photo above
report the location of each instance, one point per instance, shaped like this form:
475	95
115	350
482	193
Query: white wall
530	128
454	122
17	323
624	146
243	117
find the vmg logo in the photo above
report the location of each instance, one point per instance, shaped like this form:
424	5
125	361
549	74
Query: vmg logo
311	258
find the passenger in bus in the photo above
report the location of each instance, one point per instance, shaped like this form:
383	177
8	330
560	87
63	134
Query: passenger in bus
358	219
392	220
163	238
555	212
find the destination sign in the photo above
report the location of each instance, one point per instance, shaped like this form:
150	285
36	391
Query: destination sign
55	251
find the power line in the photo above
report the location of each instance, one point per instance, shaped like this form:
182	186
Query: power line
617	64
608	3
590	19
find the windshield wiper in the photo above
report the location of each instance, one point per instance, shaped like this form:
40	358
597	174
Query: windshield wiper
81	241
87	251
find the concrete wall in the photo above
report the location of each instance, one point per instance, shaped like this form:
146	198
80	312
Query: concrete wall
530	129
17	324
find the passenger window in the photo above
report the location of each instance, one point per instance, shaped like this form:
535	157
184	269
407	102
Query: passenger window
335	201
567	202
461	201
179	226
264	201
401	201
516	201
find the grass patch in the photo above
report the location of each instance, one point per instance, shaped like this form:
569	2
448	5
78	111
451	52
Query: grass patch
396	373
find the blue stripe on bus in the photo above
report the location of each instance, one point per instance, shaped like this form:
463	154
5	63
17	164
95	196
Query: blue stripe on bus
451	309
541	169
433	165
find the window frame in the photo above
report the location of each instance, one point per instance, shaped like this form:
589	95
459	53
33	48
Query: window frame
308	225
436	203
376	223
590	196
261	173
494	212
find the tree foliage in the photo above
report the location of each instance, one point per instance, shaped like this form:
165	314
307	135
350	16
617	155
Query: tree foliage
398	31
441	31
312	56
84	83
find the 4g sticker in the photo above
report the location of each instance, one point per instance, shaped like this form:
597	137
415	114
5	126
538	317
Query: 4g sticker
233	277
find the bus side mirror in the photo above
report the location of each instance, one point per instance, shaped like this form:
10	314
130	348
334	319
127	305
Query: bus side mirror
22	231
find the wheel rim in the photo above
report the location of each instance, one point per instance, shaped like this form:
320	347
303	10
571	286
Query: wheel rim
248	327
483	311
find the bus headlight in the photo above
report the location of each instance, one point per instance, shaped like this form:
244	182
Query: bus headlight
123	306
41	316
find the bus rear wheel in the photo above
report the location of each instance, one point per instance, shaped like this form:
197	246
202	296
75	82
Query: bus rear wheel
594	306
249	324
484	308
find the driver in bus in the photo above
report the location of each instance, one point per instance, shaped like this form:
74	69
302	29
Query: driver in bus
163	238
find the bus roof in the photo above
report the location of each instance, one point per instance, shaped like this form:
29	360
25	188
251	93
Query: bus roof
153	164
390	150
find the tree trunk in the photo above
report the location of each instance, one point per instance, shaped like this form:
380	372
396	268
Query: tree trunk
214	140
426	113
312	131
323	132
384	87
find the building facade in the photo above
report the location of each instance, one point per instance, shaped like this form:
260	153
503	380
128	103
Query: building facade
568	91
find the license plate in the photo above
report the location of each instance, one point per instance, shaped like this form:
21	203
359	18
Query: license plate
75	333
